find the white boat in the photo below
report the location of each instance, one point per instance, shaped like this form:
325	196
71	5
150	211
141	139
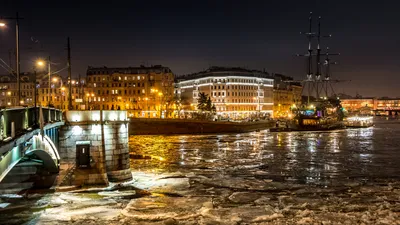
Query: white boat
359	121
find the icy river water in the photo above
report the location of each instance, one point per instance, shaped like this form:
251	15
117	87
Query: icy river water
339	177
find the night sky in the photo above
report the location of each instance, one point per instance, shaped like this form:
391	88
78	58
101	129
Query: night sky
189	36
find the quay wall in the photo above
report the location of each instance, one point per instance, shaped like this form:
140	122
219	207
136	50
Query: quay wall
178	126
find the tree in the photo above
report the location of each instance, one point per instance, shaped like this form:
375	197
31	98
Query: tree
202	101
209	104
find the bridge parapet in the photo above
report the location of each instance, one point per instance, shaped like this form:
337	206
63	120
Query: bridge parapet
19	120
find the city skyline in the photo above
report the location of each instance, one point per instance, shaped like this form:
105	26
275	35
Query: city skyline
190	38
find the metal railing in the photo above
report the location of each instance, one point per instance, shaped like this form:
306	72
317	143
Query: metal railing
16	121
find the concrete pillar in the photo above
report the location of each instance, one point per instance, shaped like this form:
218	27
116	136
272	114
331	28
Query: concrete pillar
12	130
84	127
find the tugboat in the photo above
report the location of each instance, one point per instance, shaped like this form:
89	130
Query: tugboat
318	111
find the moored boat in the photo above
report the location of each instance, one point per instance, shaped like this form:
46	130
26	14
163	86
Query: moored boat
359	121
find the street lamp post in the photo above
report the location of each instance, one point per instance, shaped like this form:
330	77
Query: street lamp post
55	80
35	94
49	68
2	24
160	94
148	113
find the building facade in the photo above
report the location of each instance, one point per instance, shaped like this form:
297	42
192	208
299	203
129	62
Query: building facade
142	91
9	90
58	93
384	106
237	93
286	94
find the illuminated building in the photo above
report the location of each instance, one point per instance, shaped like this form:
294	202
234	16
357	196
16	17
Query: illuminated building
383	105
286	94
235	92
59	92
142	91
9	90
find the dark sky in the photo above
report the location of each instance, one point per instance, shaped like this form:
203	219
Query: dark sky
189	36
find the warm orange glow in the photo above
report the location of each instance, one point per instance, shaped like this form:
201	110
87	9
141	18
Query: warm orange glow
55	79
160	94
9	93
40	63
63	88
2	24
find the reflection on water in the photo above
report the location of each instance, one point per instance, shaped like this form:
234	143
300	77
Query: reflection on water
320	158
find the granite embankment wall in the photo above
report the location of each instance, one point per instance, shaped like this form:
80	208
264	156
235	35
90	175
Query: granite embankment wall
176	126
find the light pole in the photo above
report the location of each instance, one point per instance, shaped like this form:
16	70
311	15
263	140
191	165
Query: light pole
41	63
62	88
3	24
49	68
160	94
146	99
87	101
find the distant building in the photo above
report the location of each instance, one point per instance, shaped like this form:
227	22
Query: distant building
236	92
142	91
9	90
384	105
59	92
286	93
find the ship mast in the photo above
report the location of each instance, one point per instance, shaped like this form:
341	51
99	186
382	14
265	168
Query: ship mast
315	82
327	78
309	55
318	74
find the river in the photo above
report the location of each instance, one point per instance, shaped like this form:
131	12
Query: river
347	176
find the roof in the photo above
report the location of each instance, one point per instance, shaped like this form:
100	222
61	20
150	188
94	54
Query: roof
127	70
225	71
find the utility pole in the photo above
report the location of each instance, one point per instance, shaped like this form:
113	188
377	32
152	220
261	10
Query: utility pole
18	61
69	76
17	65
49	95
35	94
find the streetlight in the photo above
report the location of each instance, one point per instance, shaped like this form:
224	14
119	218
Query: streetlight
62	96
3	24
41	63
160	94
146	99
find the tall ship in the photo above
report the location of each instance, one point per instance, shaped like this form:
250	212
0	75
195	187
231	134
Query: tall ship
319	109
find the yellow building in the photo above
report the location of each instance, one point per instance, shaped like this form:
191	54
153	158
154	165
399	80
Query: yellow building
9	90
285	94
59	92
142	91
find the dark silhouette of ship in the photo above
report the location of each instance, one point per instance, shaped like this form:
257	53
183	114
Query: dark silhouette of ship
320	108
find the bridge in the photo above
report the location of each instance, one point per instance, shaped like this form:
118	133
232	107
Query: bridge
23	144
